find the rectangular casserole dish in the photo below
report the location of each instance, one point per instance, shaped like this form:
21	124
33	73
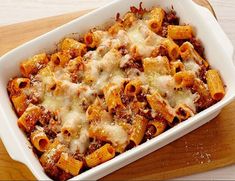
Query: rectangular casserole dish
219	52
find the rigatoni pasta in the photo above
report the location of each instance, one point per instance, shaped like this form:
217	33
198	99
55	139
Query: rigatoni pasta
180	32
111	90
69	164
33	64
40	140
158	126
215	84
101	155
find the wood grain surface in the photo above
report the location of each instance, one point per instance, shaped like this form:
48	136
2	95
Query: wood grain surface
209	147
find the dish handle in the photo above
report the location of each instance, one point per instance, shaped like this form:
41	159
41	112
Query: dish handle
221	35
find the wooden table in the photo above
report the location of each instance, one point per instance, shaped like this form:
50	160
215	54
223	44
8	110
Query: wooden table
226	16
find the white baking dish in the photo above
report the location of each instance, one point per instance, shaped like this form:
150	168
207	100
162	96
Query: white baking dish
219	52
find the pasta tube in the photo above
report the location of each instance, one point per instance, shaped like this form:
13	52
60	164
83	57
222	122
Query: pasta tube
69	164
176	67
29	118
128	20
155	20
162	107
75	65
215	84
133	88
188	52
72	124
114	29
92	39
40	140
77	48
159	65
158	125
52	153
60	58
17	84
180	32
183	112
20	103
32	65
184	79
93	113
112	97
172	48
99	156
138	129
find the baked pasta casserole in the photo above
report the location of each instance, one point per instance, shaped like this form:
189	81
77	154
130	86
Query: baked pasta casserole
111	90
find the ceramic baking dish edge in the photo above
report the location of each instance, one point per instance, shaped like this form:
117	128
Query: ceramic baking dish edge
219	52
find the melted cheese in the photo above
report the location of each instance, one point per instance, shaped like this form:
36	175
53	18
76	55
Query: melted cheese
124	60
73	119
135	73
184	97
134	34
192	66
110	61
53	103
143	38
80	144
103	66
117	78
122	36
165	84
116	134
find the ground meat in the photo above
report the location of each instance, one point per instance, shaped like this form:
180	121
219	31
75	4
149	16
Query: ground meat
73	53
85	104
170	19
30	122
132	63
163	32
94	146
174	122
64	176
205	100
52	171
138	11
51	134
203	103
34	99
35	151
146	113
162	51
123	50
130	145
79	156
141	97
126	99
197	46
74	78
202	74
181	112
45	117
56	173
124	115
180	42
151	130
